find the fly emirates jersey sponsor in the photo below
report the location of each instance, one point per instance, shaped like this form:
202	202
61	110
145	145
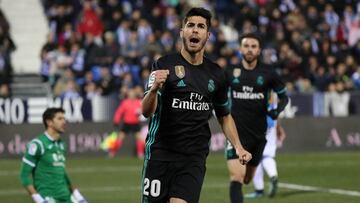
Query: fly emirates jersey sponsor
249	92
179	128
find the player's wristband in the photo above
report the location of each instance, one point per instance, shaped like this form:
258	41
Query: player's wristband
78	196
37	198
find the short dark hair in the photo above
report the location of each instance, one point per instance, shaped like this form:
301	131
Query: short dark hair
49	114
197	11
252	36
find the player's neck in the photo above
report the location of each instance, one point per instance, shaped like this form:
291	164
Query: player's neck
249	66
53	134
194	59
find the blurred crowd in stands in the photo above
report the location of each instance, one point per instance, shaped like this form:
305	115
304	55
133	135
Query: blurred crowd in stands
7	46
105	47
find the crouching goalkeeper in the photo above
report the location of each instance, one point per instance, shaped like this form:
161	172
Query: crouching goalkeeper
43	171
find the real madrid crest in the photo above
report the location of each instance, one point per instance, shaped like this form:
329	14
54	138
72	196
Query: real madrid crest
260	80
180	71
237	72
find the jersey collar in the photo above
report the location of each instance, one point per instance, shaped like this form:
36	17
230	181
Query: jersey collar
49	137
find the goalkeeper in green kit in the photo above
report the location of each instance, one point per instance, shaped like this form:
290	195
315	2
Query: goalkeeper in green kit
43	171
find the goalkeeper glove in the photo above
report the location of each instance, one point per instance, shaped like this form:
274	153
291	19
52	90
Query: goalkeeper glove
78	196
38	199
273	113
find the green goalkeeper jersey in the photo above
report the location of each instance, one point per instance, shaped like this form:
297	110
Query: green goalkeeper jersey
44	160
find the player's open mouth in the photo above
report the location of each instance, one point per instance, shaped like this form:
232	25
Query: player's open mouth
194	41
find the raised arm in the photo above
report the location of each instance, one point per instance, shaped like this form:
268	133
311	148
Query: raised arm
156	82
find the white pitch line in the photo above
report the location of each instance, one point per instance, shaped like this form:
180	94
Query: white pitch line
291	186
319	189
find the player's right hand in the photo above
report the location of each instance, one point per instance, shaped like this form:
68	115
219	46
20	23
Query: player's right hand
160	77
244	156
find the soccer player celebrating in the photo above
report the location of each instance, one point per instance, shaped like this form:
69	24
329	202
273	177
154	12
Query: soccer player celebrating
250	85
44	161
183	90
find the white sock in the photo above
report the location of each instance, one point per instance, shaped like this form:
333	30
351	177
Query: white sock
258	179
269	165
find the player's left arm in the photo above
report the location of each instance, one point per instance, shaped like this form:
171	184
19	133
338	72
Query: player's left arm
34	151
228	126
283	101
222	111
74	191
279	88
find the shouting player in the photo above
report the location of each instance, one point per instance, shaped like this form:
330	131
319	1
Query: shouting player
183	90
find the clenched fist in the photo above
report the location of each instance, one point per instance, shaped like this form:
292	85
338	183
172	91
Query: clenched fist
157	79
244	156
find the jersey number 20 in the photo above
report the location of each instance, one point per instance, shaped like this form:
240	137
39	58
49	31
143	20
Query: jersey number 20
154	186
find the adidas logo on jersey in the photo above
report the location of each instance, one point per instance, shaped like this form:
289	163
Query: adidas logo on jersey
181	84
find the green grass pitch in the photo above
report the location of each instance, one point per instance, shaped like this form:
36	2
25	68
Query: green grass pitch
103	180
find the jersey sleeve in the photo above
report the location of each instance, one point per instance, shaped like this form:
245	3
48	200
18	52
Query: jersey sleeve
34	150
154	67
277	84
32	154
220	99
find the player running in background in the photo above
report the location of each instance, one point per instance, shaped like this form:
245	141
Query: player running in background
275	136
43	171
183	90
250	86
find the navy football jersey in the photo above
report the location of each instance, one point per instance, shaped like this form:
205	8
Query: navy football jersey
179	128
250	91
